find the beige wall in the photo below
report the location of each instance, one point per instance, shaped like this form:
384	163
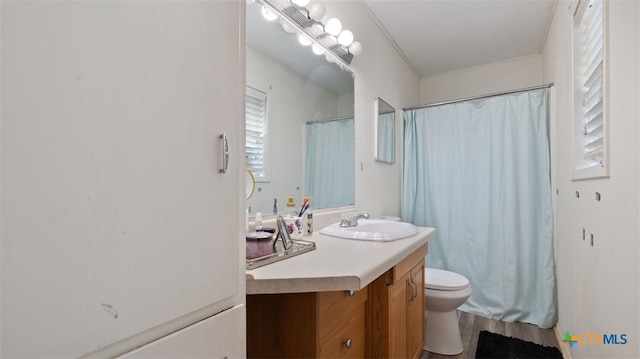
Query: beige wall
505	75
598	286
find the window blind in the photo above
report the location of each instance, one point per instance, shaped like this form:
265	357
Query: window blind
589	45
256	128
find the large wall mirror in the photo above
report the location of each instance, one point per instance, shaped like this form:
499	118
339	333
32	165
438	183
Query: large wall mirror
300	126
385	132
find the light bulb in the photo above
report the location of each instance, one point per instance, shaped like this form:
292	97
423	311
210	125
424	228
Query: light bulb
317	49
355	48
287	27
333	26
301	3
329	58
345	38
268	14
304	40
317	11
332	39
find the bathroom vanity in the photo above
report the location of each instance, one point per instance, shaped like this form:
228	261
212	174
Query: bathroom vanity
347	298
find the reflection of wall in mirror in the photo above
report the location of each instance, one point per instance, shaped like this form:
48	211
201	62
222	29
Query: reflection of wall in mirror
292	101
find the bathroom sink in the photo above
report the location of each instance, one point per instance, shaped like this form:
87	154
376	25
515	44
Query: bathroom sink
372	230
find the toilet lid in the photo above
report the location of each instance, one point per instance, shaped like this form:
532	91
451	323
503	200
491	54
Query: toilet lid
444	280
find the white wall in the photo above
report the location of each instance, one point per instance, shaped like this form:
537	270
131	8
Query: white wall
293	100
379	72
598	288
500	76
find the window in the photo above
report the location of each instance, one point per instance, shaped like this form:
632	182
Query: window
590	117
256	133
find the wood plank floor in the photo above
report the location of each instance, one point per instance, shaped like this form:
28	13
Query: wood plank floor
471	325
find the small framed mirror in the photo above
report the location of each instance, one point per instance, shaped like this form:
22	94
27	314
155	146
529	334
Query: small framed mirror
250	183
385	132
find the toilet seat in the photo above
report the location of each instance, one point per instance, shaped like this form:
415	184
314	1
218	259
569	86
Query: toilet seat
439	279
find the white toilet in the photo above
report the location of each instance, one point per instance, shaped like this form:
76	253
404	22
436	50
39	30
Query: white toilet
444	292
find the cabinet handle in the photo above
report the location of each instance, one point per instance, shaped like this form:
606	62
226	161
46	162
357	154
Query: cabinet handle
225	153
351	293
414	290
347	343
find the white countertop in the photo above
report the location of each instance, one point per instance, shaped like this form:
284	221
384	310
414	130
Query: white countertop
335	264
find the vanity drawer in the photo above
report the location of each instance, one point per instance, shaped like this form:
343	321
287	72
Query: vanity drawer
339	304
341	324
342	337
304	325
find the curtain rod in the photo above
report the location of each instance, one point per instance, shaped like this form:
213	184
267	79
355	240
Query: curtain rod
480	97
331	119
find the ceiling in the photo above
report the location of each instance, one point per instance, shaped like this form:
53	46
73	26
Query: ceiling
434	36
438	36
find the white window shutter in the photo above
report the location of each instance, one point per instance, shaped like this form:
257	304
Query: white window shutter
256	132
589	71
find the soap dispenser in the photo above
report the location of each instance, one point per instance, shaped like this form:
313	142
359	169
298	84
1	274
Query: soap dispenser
291	207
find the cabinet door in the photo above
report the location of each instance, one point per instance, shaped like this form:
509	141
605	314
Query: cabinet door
398	297
396	310
214	337
415	312
115	216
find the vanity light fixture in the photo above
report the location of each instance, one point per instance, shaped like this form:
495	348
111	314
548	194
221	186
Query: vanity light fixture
327	38
317	11
268	14
333	26
345	38
286	26
317	49
304	40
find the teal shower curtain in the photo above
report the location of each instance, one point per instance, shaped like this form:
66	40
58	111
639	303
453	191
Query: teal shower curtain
479	172
385	138
329	175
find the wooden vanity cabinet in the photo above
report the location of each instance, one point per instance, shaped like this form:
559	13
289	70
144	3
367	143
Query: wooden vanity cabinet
307	325
383	320
396	310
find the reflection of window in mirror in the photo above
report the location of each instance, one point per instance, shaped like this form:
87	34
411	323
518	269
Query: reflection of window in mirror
385	132
256	133
300	87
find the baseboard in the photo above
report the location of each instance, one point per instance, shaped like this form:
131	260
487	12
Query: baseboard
561	344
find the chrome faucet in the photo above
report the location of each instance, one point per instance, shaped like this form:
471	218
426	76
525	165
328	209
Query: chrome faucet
353	220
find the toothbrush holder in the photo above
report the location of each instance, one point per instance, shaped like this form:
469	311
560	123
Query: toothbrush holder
295	227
